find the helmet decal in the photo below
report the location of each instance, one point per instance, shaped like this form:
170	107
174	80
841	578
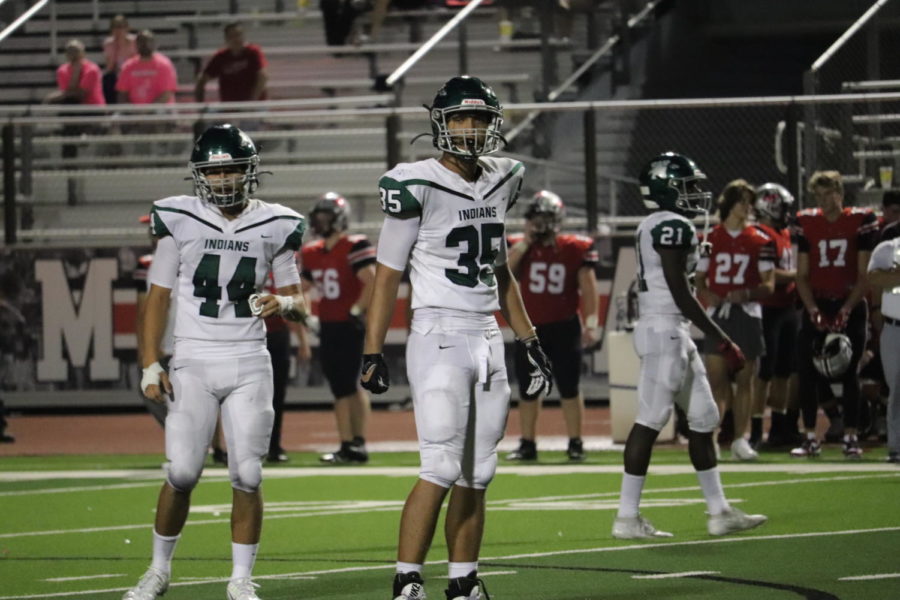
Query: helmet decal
674	182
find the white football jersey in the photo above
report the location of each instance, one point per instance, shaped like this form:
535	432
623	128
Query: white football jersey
461	230
668	230
223	262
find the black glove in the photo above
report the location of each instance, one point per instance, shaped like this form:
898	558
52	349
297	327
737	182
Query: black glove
374	374
540	380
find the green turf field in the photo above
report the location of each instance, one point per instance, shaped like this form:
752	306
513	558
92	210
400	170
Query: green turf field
79	527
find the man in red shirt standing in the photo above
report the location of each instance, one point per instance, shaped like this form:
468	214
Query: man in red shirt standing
342	267
239	67
834	245
731	281
554	271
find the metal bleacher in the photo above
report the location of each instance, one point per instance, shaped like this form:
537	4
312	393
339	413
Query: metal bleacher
117	169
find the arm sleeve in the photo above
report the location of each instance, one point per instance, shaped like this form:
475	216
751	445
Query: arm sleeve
164	268
362	254
882	257
396	241
502	256
767	256
284	269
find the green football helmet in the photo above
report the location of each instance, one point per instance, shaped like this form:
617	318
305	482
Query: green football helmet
469	95
674	182
224	146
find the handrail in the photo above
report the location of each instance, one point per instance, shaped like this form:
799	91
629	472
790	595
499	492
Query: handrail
851	31
432	41
605	49
22	18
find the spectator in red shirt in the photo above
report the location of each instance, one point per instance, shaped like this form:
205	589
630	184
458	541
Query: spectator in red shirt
240	68
79	80
117	48
149	77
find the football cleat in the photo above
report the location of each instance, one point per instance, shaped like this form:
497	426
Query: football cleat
527	450
636	528
467	588
810	448
347	454
575	451
852	449
152	584
893	457
409	586
741	450
732	521
242	589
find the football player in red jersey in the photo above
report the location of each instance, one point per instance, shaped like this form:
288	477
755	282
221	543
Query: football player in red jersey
342	267
554	271
731	281
834	245
773	206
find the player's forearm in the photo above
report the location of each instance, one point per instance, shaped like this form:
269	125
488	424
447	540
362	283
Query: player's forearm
587	287
805	293
511	305
515	253
884	278
783	277
384	297
153	324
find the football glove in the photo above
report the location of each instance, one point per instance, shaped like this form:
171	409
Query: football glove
374	375
733	356
839	321
540	380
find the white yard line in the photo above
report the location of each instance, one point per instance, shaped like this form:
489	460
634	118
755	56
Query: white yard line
675	575
83	577
871	577
733	540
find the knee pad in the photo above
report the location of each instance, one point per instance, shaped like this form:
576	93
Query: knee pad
246	474
182	477
439	466
705	420
483	471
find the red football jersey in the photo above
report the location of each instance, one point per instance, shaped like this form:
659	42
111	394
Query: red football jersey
734	261
832	247
548	276
784	295
334	273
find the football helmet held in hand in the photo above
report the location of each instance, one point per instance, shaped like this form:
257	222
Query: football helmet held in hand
672	181
832	353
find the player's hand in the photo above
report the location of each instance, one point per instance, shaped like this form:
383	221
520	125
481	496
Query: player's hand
818	319
155	383
267	305
540	375
591	336
374	375
732	354
839	321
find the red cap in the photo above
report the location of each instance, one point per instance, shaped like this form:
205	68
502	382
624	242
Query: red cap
144	219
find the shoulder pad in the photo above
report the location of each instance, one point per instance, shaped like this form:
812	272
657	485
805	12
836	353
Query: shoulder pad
673	233
396	199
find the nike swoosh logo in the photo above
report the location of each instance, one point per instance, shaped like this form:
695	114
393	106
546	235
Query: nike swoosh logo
265	236
177	368
444	347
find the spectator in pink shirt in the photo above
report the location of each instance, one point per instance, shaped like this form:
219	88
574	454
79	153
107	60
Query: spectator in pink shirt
149	77
78	79
117	48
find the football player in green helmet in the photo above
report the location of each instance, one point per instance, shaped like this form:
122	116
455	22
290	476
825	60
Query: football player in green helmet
224	165
672	181
466	117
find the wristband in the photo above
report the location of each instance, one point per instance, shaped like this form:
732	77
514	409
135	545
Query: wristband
150	375
531	336
592	321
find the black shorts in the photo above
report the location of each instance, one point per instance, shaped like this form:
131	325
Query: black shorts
561	341
744	330
340	350
780	327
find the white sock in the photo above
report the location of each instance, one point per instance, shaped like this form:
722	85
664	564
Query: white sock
163	549
711	484
403	567
630	498
242	558
461	569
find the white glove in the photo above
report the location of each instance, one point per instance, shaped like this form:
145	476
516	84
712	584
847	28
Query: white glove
150	376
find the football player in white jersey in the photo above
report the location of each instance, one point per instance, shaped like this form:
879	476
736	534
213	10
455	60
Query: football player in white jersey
445	217
215	251
672	370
